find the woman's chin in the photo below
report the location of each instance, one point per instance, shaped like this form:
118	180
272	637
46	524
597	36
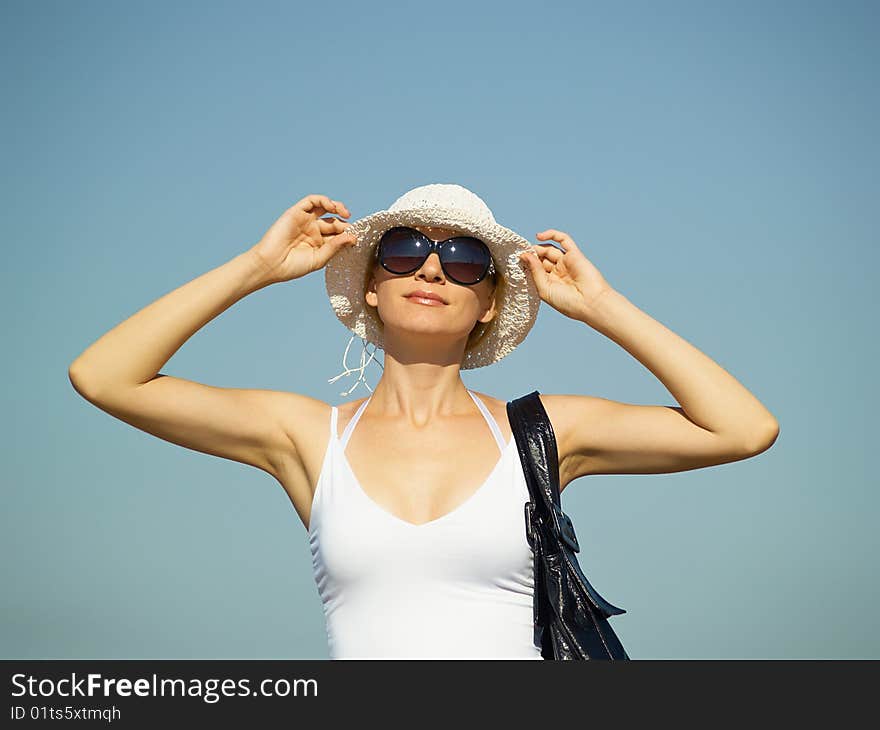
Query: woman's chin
426	326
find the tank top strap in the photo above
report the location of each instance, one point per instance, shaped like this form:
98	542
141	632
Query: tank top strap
334	420
490	419
346	434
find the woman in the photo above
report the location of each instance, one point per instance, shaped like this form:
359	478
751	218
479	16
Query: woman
415	517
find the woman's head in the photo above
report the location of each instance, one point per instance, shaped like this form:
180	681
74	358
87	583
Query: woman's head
456	323
370	301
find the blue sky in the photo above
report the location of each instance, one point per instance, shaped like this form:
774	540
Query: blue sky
716	161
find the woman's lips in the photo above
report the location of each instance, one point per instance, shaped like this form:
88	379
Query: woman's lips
426	300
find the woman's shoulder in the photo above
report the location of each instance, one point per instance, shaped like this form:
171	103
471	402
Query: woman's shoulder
486	398
347	409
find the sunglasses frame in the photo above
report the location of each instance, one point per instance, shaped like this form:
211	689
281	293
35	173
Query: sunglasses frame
432	247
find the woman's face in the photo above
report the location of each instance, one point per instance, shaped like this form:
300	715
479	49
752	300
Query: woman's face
462	307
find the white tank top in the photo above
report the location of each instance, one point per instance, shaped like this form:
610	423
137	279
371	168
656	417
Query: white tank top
460	586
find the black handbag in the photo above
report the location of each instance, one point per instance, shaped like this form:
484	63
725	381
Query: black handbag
570	615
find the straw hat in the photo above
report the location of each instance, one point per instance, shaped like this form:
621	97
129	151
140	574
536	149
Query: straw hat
443	205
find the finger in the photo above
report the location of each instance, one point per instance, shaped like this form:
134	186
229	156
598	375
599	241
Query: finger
330	247
337	238
538	274
332	225
343	231
549	252
320	204
562	238
317	204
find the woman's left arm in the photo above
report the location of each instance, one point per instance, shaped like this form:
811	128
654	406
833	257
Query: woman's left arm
719	420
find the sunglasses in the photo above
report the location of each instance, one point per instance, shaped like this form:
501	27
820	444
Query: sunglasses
465	260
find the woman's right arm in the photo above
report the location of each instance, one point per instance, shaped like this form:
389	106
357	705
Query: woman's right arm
119	373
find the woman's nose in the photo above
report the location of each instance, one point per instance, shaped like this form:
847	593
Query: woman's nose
432	269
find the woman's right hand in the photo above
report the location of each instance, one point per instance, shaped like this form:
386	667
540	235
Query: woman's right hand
300	241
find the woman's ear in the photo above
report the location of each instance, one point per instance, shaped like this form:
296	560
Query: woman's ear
370	295
491	311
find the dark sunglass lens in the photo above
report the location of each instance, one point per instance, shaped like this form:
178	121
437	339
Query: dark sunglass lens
402	251
466	259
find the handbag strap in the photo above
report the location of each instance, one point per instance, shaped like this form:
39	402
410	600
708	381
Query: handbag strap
539	455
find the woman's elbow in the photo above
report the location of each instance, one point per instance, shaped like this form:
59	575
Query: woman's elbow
762	438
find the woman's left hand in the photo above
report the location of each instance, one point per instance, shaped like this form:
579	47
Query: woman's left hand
565	279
